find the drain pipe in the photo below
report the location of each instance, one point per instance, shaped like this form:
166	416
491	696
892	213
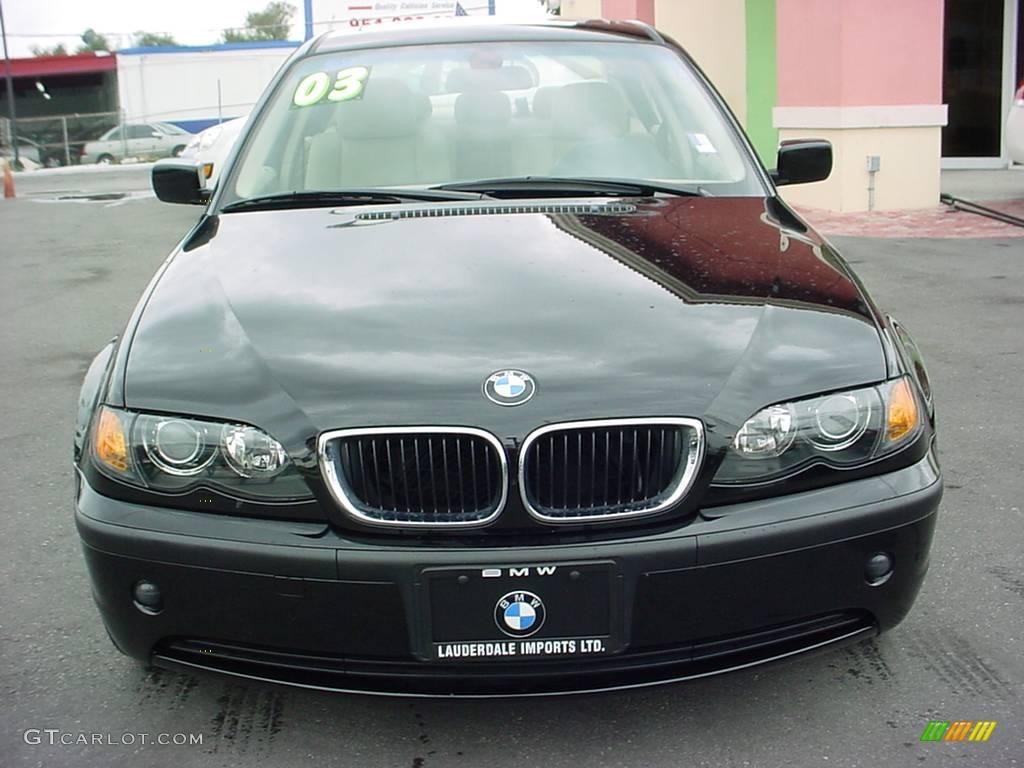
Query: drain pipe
874	165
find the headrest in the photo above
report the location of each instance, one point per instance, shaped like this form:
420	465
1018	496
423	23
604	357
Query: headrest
387	109
510	78
590	110
544	100
483	107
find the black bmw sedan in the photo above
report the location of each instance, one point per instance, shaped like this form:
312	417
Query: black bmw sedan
494	365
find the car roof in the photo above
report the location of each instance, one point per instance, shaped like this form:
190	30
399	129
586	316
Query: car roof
483	30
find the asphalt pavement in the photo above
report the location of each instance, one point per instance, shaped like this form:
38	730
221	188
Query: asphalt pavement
73	266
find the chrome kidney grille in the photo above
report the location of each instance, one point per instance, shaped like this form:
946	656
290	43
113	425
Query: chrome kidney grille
416	476
575	472
603	470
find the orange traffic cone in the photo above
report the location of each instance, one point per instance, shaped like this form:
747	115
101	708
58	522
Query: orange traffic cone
8	180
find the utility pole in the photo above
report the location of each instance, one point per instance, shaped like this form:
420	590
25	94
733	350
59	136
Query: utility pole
10	92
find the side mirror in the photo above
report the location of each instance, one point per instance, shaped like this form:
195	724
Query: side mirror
802	161
175	181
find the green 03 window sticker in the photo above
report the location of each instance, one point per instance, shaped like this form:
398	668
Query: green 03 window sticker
348	84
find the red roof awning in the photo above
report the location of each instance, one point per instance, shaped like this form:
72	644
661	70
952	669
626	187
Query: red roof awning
79	64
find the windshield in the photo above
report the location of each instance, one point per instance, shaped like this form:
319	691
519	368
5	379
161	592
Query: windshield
421	116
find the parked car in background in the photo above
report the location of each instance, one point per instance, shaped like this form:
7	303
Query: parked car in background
34	155
1015	127
210	148
147	141
29	154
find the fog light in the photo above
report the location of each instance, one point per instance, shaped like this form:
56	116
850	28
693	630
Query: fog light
148	598
878	569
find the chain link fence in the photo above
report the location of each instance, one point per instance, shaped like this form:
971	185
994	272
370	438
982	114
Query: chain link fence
56	140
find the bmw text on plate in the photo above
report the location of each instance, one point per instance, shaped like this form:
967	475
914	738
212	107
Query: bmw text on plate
496	365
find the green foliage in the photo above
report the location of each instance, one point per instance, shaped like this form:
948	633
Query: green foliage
152	39
56	50
272	23
93	41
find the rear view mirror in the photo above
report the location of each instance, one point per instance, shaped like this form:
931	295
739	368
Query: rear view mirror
175	181
802	161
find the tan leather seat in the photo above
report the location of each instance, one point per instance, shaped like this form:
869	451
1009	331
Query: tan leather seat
380	139
592	135
483	136
502	78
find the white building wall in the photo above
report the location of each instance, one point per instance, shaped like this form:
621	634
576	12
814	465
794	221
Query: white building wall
181	85
347	15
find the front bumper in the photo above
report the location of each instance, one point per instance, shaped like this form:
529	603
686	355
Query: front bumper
298	603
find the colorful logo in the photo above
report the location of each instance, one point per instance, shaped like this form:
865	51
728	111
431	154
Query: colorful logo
958	730
519	614
509	387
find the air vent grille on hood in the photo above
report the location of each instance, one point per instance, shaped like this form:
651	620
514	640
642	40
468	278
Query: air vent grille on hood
499	209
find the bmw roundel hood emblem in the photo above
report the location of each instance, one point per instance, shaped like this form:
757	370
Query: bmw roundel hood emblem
509	387
519	614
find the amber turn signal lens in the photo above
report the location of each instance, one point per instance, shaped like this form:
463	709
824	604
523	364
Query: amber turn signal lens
207	170
902	411
111	442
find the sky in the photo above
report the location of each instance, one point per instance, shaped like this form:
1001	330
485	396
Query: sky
192	22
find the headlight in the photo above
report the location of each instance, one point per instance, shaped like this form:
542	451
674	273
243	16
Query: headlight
177	446
175	454
915	358
767	433
841	429
252	453
840	420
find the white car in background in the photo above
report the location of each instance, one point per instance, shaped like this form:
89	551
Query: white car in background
136	140
1015	127
211	147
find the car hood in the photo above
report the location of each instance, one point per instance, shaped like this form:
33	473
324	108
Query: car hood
304	320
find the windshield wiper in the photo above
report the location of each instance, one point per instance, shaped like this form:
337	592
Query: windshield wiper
340	197
558	186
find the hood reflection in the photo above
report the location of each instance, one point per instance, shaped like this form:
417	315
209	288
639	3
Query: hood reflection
707	307
716	252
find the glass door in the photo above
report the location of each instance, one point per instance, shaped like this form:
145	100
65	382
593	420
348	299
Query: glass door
973	78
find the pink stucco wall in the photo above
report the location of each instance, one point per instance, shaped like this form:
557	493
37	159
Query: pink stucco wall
859	52
628	9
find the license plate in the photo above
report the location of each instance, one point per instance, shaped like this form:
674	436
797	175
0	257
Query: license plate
522	612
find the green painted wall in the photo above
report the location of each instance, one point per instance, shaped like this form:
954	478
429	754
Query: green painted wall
761	78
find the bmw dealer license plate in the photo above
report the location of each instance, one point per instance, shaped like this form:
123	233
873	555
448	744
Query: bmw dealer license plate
522	612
